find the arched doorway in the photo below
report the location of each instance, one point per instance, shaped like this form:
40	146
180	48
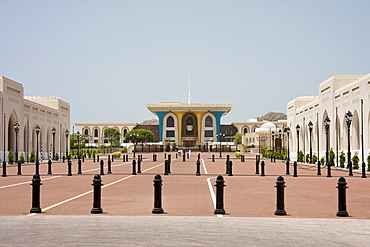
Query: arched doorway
189	130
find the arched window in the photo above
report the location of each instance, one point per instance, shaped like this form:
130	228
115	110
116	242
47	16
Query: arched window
86	132
96	133
209	122
245	130
170	122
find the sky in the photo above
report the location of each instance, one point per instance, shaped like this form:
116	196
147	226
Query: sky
108	59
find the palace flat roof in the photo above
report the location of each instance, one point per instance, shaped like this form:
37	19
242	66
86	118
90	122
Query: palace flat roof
177	106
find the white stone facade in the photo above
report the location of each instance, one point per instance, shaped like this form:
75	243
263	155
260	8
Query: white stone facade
337	95
47	112
95	131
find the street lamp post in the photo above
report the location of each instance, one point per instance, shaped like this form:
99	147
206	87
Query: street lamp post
281	142
298	128
78	145
273	146
53	131
16	129
287	130
310	127
78	153
220	136
67	134
327	125
37	129
349	121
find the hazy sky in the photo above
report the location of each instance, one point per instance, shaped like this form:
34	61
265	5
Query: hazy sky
109	59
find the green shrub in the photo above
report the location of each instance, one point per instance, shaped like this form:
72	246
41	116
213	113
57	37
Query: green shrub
342	159
21	158
116	154
308	158
331	157
10	157
56	156
322	161
355	160
314	159
300	156
238	154
32	155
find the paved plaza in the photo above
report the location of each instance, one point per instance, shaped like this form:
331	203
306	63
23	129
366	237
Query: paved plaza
311	202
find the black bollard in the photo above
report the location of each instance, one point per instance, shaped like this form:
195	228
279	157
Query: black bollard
166	167
157	195
328	165
198	168
101	167
134	153
112	158
213	158
19	168
49	167
153	158
183	157
169	163
139	165
94	158
79	166
64	159
257	167
36	183
165	156
69	168
231	168
110	166
262	168
134	167
187	155
123	158
199	156
280	185
318	168
220	184
227	163
287	168
126	157
342	205
176	155
98	158
97	195
295	169
4	169
83	158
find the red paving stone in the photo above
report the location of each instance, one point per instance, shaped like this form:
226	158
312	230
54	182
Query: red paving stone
184	194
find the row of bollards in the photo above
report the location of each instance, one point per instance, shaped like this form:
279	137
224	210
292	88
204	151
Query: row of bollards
219	209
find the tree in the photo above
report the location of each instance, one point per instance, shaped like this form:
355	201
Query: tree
238	138
139	135
113	135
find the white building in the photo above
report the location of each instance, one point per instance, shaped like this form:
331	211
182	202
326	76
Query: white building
47	112
336	96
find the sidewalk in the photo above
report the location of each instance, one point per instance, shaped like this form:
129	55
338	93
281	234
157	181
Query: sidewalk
180	231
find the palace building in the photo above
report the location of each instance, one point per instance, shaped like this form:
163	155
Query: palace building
189	124
21	114
338	97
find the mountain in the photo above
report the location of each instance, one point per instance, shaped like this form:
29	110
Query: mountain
273	116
